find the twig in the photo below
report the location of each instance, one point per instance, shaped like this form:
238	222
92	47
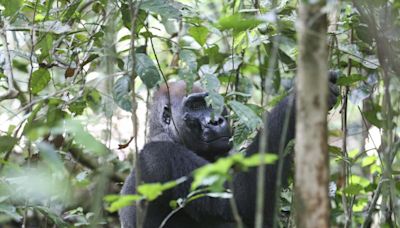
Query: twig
169	216
134	9
371	208
189	198
91	164
345	168
283	152
165	81
264	135
12	92
32	33
234	207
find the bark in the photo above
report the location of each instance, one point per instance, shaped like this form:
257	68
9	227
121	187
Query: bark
311	158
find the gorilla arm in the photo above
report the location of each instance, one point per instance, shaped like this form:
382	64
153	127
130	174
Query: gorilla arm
278	136
162	162
245	182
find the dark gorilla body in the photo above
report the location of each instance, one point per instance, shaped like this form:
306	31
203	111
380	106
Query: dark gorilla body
200	139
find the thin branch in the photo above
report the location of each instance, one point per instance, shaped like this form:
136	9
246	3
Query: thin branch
345	166
165	82
234	207
371	208
32	52
134	9
12	92
91	164
264	135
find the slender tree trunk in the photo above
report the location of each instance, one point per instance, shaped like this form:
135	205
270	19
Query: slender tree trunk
311	159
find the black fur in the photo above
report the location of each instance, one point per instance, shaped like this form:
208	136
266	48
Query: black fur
168	159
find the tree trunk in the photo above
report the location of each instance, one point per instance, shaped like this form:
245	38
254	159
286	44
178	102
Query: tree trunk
311	159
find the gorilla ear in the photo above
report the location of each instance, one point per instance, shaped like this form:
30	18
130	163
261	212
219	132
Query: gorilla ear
166	116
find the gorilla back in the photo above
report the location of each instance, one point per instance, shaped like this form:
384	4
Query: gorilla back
185	136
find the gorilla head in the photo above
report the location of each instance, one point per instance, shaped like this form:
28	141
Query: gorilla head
189	121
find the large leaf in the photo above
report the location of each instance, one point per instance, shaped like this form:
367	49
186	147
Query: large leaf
7	143
238	23
188	68
211	83
199	33
40	79
148	191
56	219
121	94
120	201
70	10
245	115
11	211
146	70
77	107
217	173
165	8
153	190
350	80
81	136
11	6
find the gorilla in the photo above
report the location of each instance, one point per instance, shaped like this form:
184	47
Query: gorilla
189	136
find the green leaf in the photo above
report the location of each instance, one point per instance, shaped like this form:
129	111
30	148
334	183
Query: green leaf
81	136
199	33
11	211
335	150
121	93
367	161
20	65
245	115
211	83
40	79
92	98
372	118
165	8
146	70
7	143
54	112
187	68
363	182
215	174
153	190
126	17
353	189
11	6
255	159
58	221
150	191
51	158
49	5
70	10
77	107
45	43
238	23
120	201
240	134
348	81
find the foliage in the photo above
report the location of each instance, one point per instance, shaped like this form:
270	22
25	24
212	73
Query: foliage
71	95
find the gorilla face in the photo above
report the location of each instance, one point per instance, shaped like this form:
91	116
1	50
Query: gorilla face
202	131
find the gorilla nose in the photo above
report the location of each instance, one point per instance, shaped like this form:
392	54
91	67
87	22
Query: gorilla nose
216	121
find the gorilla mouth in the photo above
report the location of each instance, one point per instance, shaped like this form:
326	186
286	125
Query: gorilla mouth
217	139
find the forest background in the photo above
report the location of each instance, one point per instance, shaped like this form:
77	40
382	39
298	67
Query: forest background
76	78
